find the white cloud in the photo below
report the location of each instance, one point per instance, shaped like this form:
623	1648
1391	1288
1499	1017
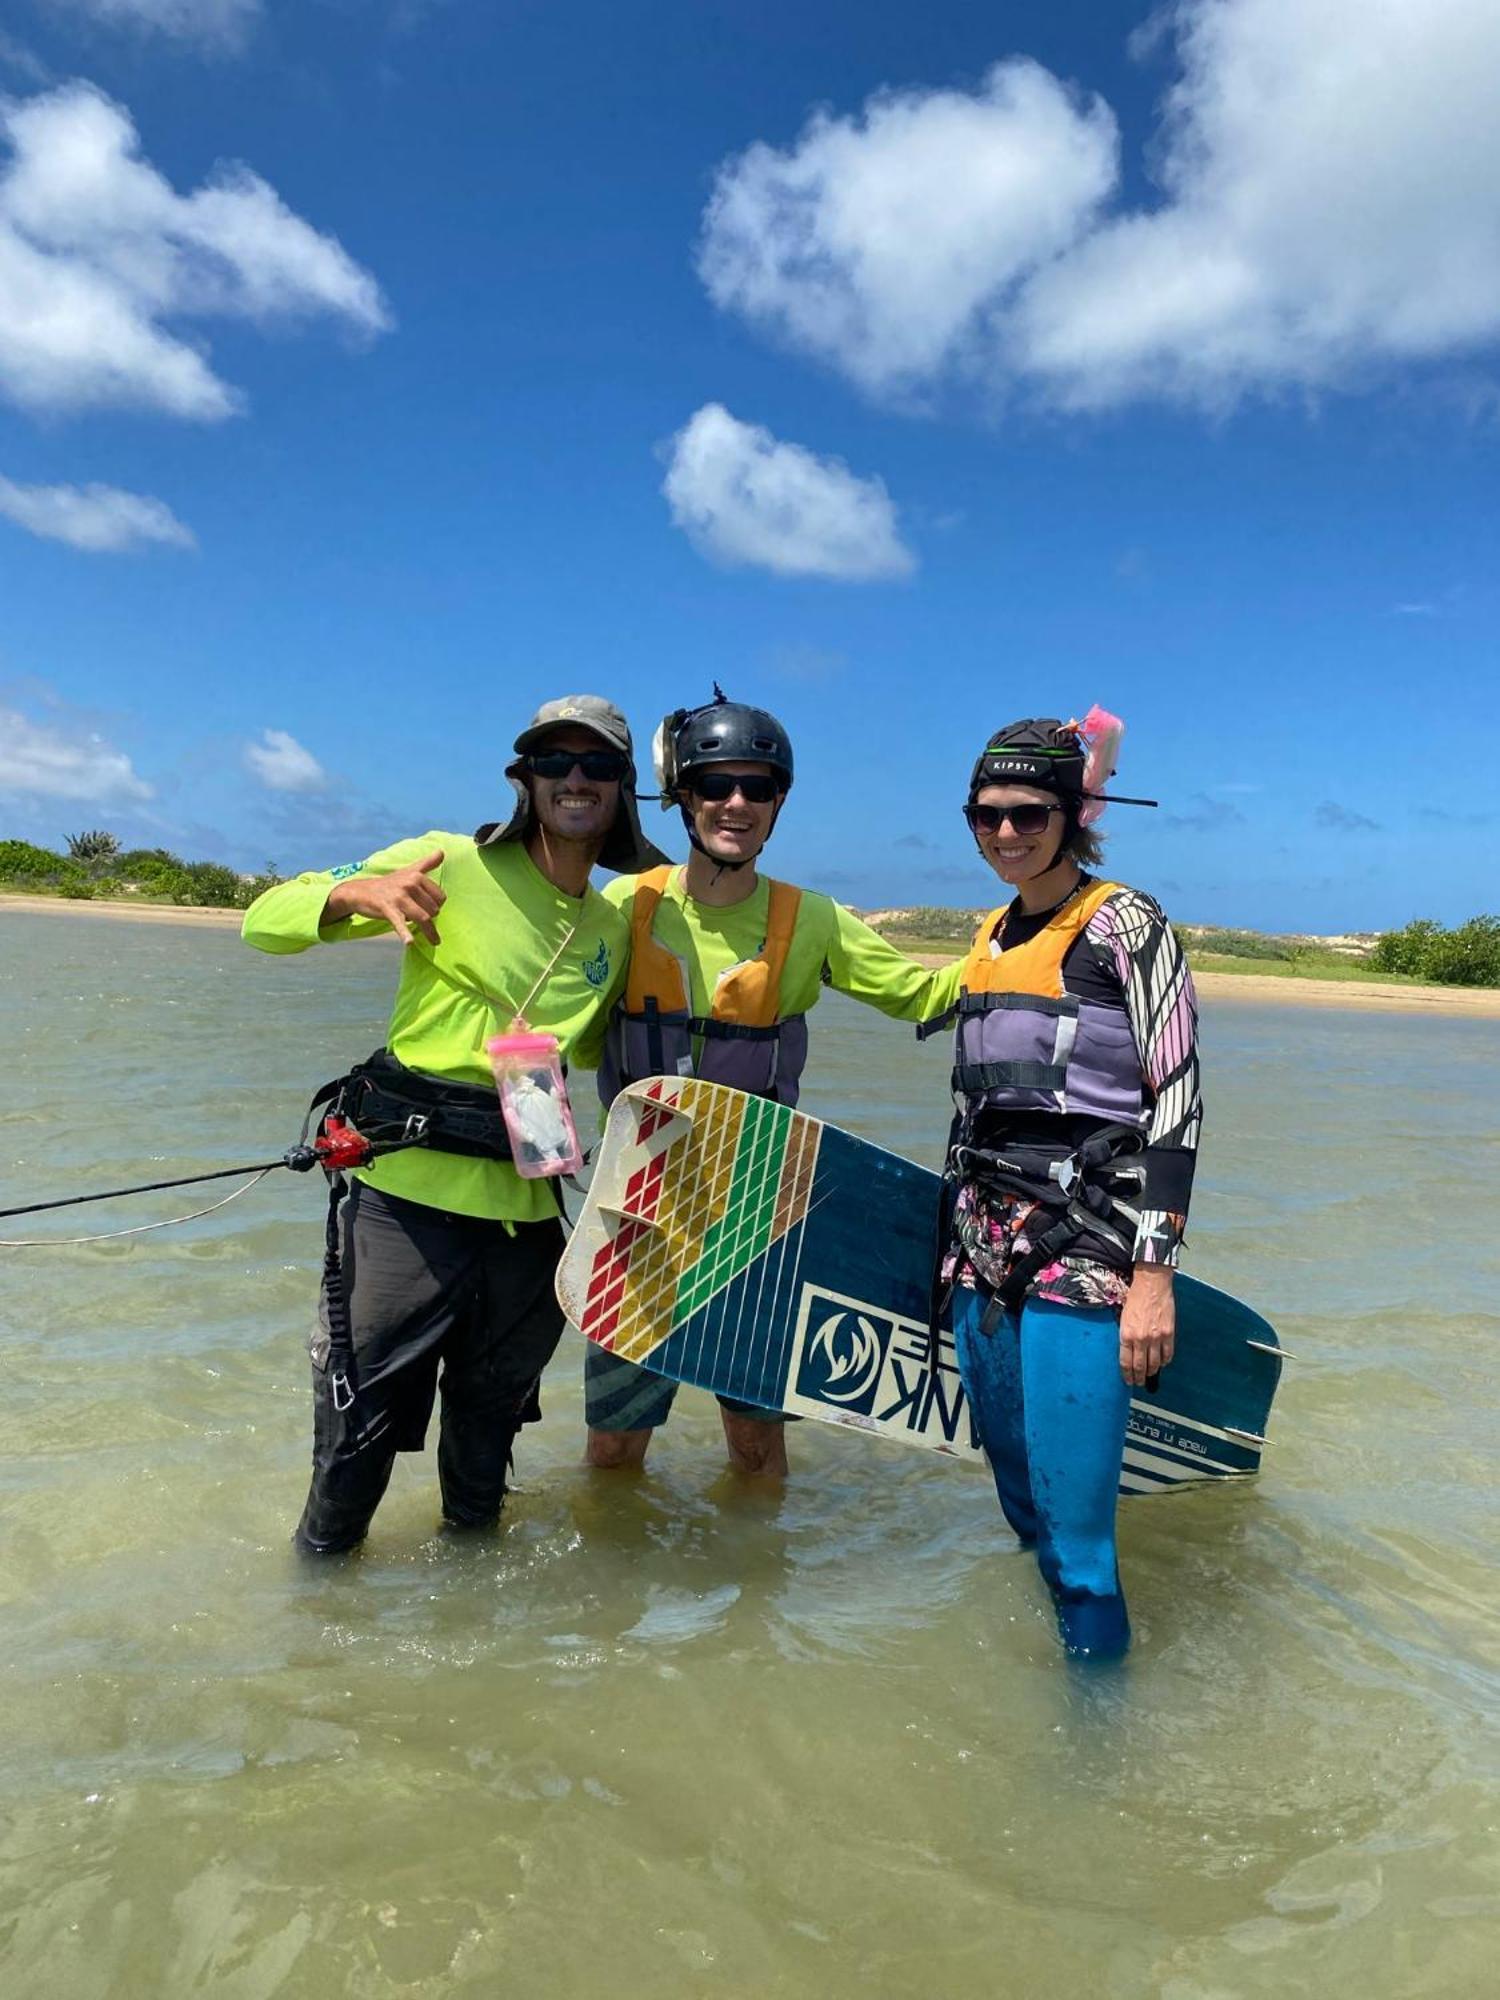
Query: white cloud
280	762
745	497
884	243
1330	208
46	762
97	518
215	23
98	254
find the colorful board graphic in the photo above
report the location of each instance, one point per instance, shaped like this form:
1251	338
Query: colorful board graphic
746	1248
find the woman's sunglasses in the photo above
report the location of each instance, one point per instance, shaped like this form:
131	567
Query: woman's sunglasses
758	789
1027	819
604	767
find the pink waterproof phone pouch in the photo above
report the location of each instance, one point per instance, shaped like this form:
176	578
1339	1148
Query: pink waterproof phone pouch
534	1103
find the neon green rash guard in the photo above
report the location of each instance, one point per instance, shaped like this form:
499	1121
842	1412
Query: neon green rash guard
499	928
712	940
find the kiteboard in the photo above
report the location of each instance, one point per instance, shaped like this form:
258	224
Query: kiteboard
738	1245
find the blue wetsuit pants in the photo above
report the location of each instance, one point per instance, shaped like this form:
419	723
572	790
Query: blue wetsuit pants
1050	1406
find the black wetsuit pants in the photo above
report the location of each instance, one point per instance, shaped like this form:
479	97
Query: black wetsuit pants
437	1302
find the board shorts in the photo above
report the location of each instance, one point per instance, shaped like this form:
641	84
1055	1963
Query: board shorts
620	1395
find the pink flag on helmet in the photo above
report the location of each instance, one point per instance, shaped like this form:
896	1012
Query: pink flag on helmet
1101	733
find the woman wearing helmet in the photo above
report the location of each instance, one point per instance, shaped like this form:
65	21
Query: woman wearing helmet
1071	1159
725	966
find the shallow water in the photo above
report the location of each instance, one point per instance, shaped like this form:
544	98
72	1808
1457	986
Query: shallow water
679	1736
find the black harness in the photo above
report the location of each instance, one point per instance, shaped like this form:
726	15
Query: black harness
1082	1188
395	1107
391	1108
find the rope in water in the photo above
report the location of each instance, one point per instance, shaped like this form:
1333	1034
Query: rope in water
141	1228
260	1167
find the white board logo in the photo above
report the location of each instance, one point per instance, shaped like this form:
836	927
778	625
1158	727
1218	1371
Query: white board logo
853	1361
847	1352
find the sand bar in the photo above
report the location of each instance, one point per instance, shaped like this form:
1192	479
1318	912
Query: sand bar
1262	990
1479	1002
126	907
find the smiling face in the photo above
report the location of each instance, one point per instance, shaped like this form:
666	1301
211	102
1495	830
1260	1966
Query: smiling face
1018	858
574	807
736	828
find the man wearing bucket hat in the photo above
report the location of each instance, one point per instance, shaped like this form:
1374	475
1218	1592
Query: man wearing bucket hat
438	1273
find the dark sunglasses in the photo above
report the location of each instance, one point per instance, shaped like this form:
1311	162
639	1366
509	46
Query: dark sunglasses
605	767
1024	820
716	786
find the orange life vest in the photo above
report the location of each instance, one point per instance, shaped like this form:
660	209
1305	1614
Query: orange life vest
1036	966
749	994
744	1040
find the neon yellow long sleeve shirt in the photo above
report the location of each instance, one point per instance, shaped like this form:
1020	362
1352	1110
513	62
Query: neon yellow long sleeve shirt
500	926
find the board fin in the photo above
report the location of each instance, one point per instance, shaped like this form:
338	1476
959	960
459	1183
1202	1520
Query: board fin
629	1215
653	1111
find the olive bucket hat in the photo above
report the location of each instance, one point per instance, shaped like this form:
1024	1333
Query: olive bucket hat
626	849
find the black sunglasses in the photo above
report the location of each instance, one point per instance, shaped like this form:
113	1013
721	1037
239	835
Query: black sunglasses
603	766
758	789
1024	820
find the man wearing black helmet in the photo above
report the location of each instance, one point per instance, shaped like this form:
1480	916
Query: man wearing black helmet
440	1256
725	966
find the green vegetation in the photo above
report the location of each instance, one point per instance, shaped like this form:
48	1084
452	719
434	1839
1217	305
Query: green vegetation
93	847
936	927
95	868
1269	956
1198	941
1468	955
926	930
1303	964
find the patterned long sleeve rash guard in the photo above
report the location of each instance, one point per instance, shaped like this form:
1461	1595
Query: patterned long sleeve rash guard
1127	951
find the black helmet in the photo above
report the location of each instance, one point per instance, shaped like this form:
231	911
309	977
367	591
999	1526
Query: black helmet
1073	759
1038	751
721	732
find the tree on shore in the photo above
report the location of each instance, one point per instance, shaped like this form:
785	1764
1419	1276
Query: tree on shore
92	848
1467	955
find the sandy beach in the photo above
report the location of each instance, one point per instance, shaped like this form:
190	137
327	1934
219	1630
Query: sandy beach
131	911
1247	987
1482	1002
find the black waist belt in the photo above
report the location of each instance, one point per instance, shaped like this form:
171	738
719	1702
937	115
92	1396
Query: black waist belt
973	1079
652	1016
381	1097
1081	1188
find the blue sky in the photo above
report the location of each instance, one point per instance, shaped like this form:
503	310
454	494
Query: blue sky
1150	368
